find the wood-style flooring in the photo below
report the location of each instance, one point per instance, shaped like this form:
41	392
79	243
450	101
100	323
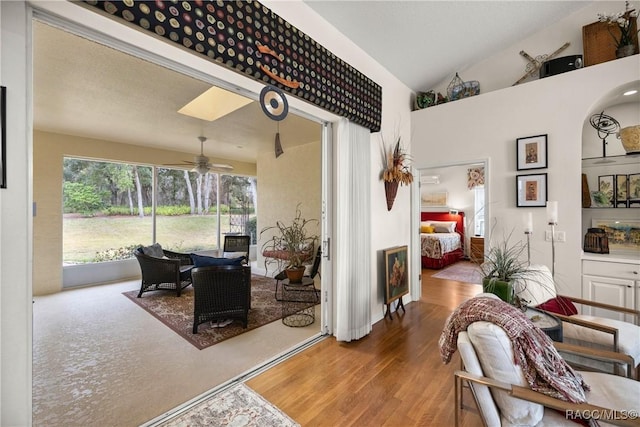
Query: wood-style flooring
392	377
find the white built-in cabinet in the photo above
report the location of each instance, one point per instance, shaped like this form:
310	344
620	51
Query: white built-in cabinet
611	281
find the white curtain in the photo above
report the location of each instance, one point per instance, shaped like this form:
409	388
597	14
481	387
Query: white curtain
353	228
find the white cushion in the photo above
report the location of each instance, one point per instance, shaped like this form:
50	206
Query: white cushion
233	254
494	350
628	335
482	393
612	391
537	286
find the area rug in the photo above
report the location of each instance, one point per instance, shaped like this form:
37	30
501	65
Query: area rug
461	271
177	312
238	406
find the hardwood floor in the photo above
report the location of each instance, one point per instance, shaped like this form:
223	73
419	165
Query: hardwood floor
392	377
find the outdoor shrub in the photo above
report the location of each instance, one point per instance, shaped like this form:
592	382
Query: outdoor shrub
173	210
252	227
124	252
81	198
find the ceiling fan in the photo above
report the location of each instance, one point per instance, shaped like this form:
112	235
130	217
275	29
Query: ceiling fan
201	162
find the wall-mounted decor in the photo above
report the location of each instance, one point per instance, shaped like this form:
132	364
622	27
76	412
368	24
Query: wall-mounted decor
532	152
395	170
606	186
3	136
531	190
622	190
475	177
396	275
434	199
249	38
634	190
623	234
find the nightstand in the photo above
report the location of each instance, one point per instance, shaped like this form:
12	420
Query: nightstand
476	252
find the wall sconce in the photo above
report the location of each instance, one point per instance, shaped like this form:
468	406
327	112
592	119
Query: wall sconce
552	219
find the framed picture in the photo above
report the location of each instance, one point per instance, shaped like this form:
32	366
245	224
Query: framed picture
531	190
623	235
3	136
633	189
396	273
532	152
434	199
606	186
622	190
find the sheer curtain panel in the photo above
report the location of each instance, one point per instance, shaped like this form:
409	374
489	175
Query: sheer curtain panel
353	243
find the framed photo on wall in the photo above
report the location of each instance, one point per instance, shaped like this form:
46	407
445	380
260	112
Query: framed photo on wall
531	190
532	152
396	273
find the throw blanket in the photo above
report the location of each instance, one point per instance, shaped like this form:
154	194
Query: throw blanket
544	369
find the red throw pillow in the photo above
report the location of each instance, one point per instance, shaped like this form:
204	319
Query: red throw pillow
560	305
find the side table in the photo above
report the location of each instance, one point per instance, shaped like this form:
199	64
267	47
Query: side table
298	302
550	324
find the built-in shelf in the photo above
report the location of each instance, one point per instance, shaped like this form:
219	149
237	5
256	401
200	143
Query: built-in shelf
611	160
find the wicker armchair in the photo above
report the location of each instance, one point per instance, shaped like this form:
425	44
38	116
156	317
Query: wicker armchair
170	274
221	292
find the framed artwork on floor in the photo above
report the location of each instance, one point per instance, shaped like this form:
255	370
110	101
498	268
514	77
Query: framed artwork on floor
532	152
531	190
396	273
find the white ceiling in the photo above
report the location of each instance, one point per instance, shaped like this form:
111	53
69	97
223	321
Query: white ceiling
424	42
83	88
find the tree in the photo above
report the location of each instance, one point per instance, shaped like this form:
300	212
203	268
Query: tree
190	190
139	192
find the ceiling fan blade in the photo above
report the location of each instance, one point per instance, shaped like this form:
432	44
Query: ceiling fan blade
184	163
221	166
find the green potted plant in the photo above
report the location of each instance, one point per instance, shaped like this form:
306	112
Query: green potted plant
501	266
295	240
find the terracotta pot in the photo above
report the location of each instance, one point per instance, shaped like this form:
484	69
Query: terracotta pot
390	190
295	274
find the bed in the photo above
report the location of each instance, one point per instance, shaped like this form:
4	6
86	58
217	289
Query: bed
439	249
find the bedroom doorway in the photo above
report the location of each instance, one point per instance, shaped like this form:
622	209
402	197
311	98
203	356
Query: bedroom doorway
461	187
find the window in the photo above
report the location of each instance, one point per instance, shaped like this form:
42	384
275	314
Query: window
108	209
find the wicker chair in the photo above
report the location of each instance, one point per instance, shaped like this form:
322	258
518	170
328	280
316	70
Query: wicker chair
169	274
221	292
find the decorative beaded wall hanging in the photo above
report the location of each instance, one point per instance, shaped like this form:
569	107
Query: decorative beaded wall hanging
249	38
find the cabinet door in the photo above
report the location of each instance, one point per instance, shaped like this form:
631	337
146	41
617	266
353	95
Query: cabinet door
608	290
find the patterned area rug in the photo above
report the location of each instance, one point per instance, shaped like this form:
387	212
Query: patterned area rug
461	271
177	312
238	406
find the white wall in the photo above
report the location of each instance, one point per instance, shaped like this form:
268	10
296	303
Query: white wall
486	126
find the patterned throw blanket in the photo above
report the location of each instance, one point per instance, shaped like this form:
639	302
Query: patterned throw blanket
544	369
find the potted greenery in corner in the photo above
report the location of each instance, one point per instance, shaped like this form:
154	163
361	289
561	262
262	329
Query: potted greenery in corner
295	241
502	265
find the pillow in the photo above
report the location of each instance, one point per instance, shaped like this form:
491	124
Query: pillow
204	261
426	229
443	226
233	254
559	305
536	286
154	250
494	350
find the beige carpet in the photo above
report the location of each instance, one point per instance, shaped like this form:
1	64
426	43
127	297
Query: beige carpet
462	271
239	406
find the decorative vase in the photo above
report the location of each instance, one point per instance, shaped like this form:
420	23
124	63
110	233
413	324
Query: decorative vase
626	50
295	274
390	190
630	137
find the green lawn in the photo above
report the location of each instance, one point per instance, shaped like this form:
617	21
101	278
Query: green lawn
83	237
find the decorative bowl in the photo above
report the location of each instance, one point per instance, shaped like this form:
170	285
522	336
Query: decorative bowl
630	137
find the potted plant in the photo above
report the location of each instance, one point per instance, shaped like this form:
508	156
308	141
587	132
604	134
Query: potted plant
625	38
295	240
501	266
